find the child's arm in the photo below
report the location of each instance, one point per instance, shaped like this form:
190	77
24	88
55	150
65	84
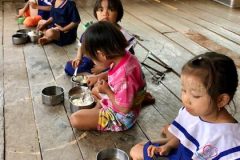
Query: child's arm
43	25
93	79
67	27
78	58
44	8
21	11
103	87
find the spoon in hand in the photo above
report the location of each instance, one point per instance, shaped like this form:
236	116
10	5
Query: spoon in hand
75	72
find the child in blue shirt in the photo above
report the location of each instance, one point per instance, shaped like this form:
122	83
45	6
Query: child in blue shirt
62	24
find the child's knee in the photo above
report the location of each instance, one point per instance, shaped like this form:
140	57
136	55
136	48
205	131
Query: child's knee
52	34
136	152
73	121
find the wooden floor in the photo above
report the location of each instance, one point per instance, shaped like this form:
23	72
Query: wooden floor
173	30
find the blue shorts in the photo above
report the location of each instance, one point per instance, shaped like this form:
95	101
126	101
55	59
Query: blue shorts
85	66
65	38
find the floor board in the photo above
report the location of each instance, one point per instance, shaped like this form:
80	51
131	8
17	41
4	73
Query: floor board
173	31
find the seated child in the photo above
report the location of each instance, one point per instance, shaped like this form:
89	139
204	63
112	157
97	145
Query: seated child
104	10
203	129
43	8
111	11
119	98
61	27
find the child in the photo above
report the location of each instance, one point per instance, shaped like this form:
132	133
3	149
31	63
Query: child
111	11
62	24
104	10
120	97
203	129
43	7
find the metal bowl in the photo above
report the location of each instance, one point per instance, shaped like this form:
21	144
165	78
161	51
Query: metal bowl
23	31
19	38
35	35
52	95
112	154
81	101
79	80
77	91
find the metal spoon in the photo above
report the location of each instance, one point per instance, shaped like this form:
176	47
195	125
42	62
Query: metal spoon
75	72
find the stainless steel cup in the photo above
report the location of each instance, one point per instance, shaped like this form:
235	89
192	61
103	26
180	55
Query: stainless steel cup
52	95
112	153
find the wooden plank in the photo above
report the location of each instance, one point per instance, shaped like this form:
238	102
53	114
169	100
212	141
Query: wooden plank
216	9
56	137
1	21
211	45
186	43
1	88
1	105
18	110
170	17
213	23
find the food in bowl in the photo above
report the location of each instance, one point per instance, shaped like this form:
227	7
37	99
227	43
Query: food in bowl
81	102
80	79
84	100
34	36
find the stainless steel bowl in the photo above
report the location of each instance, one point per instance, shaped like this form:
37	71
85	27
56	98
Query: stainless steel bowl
20	38
86	103
33	38
112	154
52	95
78	80
77	91
35	35
24	31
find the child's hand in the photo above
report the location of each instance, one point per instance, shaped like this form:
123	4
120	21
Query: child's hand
162	150
103	86
33	5
59	28
76	62
41	25
20	13
95	93
152	150
91	80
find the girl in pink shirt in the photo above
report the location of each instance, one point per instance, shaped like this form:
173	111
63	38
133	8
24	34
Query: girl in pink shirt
119	91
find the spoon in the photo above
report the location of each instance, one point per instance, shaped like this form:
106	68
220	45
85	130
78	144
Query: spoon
75	72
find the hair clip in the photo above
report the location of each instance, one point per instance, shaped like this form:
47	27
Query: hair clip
197	61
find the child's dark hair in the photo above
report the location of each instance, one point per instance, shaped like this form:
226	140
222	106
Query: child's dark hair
217	72
105	37
115	5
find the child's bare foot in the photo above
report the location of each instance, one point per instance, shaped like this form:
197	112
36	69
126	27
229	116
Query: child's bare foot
148	99
43	40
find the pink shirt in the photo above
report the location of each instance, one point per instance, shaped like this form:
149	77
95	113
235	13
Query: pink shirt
126	80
